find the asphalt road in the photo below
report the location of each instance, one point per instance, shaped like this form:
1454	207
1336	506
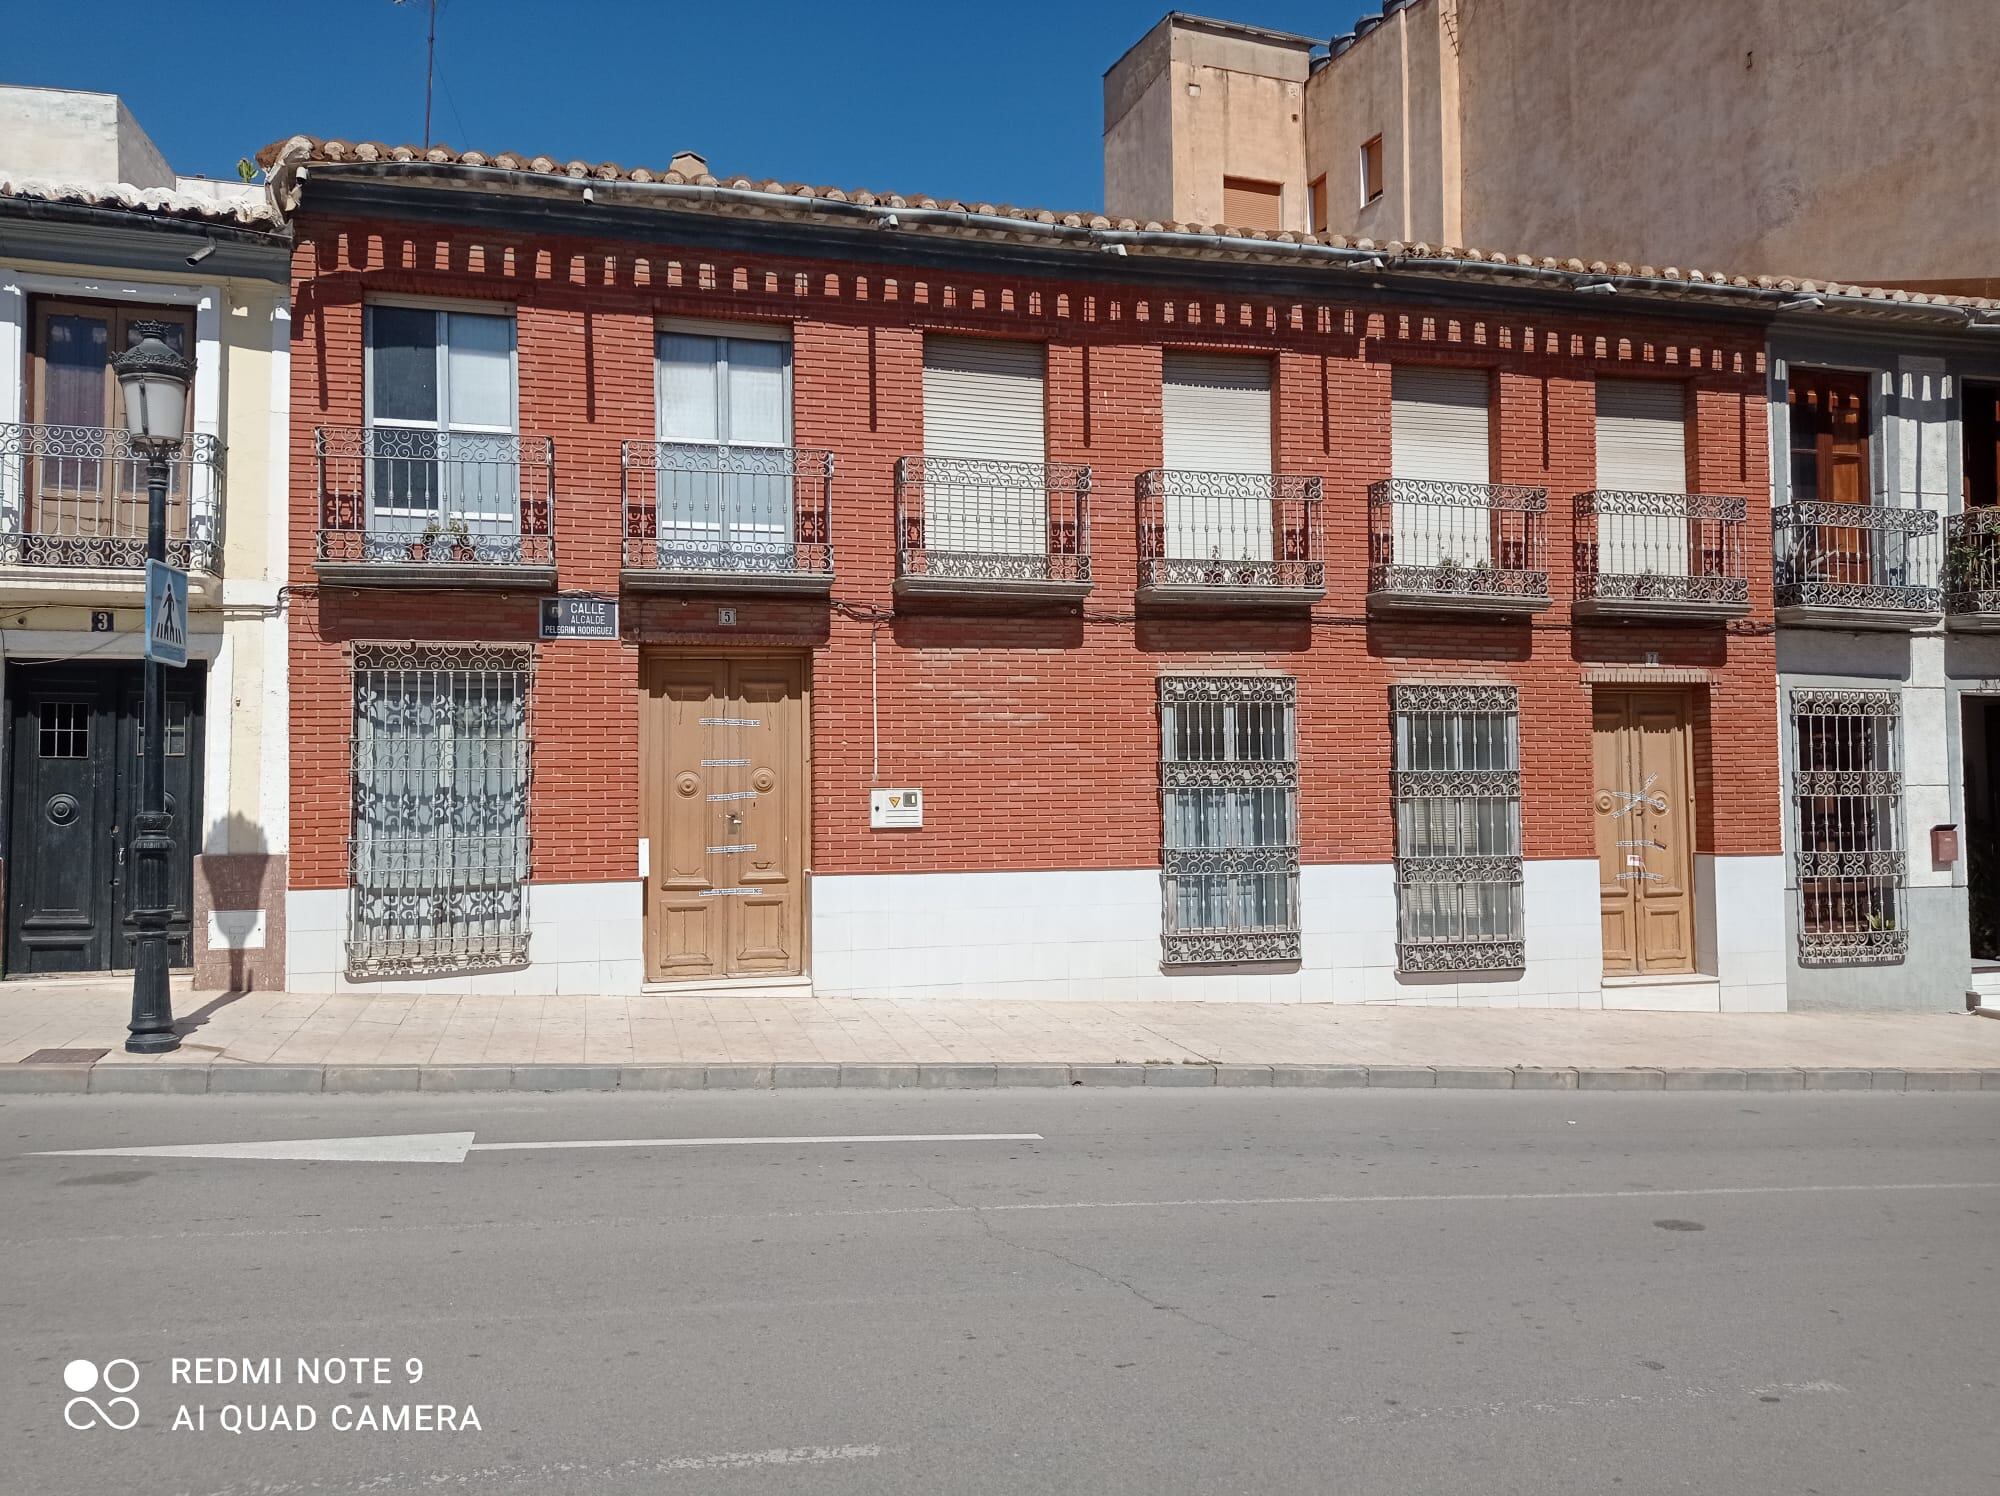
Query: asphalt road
1212	1291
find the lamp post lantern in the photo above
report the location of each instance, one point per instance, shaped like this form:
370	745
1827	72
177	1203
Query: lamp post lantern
154	379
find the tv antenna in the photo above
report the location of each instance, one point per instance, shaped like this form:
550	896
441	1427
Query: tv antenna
430	65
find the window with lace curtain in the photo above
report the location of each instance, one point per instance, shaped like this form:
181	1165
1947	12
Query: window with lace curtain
1457	786
1229	803
439	850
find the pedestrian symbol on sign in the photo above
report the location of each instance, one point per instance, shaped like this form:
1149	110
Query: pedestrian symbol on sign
166	613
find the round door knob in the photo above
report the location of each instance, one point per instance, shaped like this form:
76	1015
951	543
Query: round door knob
1604	802
762	781
687	784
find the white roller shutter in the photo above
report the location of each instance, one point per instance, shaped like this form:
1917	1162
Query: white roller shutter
1217	419
1642	447
1217	410
983	401
983	398
1642	435
1438	431
1437	426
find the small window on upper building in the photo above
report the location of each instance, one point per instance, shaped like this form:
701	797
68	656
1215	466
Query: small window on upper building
1316	206
1371	170
1247	204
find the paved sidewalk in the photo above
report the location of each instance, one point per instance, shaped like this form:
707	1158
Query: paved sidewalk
283	1041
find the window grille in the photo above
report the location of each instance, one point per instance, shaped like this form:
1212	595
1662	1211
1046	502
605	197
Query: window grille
1457	786
1847	797
1229	797
439	854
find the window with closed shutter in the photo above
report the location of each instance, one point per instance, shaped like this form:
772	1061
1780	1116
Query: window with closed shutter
1642	448
1217	420
1248	204
1438	435
983	404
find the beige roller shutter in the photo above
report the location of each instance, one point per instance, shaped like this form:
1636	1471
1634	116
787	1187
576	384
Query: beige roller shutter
1248	204
983	398
1217	410
1438	425
1438	431
1642	435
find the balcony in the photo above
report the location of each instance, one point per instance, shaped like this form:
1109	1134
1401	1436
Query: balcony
1229	539
402	507
1016	532
705	517
73	512
1457	547
1856	566
1660	556
1972	570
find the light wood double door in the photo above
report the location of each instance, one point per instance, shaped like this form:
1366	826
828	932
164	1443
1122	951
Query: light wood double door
1645	830
724	801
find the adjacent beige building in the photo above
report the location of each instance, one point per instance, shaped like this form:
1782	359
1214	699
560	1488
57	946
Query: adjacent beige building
1844	139
100	239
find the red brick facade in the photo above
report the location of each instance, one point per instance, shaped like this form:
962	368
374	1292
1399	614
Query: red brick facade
1035	738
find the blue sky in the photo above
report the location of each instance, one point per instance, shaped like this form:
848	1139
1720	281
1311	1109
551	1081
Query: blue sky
999	102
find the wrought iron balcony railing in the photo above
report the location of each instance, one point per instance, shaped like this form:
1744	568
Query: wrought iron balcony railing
1661	554
699	514
1204	534
1460	546
1856	565
415	506
75	497
967	525
1972	567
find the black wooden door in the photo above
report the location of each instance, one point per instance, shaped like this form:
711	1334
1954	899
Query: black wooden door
73	757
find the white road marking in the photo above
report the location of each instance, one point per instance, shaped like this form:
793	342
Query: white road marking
403	1148
648	1223
452	1147
886	1137
538	1477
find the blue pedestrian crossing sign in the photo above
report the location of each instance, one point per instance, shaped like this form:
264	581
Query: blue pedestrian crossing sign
166	613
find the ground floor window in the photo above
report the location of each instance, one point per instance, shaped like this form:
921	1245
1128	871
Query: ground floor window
1229	792
1457	787
1847	803
439	852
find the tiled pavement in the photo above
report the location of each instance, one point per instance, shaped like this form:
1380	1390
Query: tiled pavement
656	1029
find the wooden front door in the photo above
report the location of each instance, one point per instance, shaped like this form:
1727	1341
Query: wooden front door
74	764
1645	831
724	803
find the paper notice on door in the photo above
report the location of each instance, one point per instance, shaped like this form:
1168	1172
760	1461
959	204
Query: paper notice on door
1634	861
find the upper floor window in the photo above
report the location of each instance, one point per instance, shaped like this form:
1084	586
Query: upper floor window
1828	421
1438	425
730	389
1642	435
1981	421
1371	170
1249	204
1316	205
441	409
984	414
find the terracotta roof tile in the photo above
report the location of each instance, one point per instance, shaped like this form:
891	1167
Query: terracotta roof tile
282	159
250	209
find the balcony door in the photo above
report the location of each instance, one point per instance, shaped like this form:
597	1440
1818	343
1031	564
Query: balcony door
1216	412
1645	830
983	403
1642	449
1828	419
723	477
80	487
443	458
1438	431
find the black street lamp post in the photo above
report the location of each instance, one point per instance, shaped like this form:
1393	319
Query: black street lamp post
155	380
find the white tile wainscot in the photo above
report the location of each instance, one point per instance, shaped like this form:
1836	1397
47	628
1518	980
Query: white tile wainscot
583	938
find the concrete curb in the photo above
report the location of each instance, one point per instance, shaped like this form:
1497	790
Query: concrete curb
173	1078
